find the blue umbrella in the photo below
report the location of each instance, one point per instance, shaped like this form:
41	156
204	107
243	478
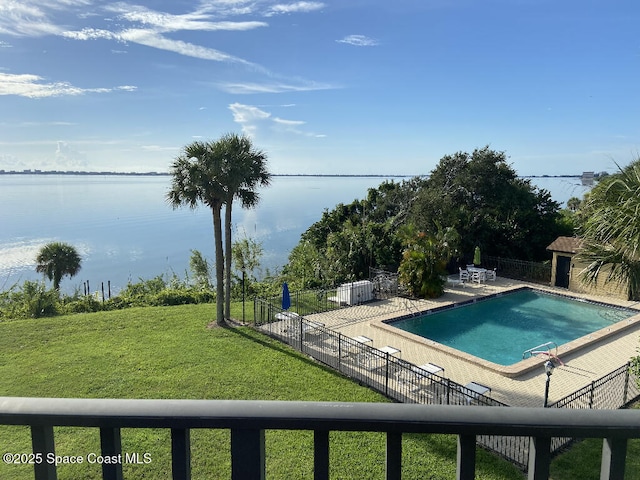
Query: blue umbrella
286	298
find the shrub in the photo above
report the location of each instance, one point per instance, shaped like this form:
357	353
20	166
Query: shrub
31	300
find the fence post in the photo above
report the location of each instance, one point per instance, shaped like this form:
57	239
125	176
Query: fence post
626	383
301	335
593	387
386	375
339	352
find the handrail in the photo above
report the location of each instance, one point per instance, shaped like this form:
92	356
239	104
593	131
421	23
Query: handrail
299	415
247	420
536	349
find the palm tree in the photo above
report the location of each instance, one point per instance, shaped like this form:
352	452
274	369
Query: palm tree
611	231
197	177
56	260
244	170
424	260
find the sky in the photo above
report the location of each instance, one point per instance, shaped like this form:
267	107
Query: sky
322	87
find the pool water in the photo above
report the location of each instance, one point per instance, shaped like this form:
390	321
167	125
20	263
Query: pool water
500	329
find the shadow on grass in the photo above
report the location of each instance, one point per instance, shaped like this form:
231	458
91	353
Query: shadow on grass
280	347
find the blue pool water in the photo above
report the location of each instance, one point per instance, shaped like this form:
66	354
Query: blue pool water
500	329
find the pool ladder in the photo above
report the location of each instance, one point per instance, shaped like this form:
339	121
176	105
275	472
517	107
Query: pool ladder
545	348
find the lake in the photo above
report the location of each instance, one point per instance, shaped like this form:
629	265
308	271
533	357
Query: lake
124	229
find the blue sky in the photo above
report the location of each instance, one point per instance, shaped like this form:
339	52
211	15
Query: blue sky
335	86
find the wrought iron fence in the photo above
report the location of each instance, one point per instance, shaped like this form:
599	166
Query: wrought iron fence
536	272
395	378
617	389
407	383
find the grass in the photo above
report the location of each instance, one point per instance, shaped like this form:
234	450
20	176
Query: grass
582	461
167	352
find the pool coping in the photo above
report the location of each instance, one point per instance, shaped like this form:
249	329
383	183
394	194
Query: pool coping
524	366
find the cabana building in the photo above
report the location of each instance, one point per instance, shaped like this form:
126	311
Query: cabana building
566	267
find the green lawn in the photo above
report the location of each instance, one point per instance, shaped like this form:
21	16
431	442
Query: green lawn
167	352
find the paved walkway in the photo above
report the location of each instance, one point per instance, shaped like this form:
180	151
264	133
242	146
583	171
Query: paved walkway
598	357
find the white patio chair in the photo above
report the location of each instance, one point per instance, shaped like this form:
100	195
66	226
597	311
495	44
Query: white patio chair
491	275
464	275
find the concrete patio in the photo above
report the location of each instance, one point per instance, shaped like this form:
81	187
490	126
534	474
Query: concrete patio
584	360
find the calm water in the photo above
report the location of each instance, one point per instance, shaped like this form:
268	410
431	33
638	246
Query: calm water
124	229
501	329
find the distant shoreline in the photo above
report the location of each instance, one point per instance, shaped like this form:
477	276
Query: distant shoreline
321	175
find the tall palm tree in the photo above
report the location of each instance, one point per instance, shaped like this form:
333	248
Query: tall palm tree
245	169
611	231
56	260
197	177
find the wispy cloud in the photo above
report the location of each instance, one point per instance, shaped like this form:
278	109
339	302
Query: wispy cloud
33	86
251	118
136	24
248	116
273	87
359	41
295	7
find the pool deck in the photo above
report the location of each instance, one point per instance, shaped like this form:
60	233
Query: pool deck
584	360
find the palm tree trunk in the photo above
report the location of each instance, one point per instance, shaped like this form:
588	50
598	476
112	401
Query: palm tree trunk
217	237
227	259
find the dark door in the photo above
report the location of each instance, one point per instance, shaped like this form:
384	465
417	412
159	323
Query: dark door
563	265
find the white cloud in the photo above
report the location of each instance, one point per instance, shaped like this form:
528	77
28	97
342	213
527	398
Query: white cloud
248	116
25	19
294	8
358	41
288	122
252	117
69	157
32	86
250	88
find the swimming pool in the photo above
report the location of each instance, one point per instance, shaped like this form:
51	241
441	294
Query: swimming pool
500	329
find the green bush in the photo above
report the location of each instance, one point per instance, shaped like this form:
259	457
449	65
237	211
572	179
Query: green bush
30	300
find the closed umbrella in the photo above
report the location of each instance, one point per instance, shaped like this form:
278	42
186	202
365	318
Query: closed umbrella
286	298
476	256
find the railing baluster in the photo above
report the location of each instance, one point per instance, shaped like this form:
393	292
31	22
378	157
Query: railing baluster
181	453
394	455
539	458
111	445
466	457
42	443
247	454
321	455
614	455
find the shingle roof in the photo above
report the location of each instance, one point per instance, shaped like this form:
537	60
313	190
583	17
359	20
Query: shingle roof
565	244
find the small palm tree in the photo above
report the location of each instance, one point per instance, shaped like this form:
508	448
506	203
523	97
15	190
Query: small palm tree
56	260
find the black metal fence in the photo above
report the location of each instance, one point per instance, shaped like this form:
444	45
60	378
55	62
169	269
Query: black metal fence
536	272
395	378
407	383
617	389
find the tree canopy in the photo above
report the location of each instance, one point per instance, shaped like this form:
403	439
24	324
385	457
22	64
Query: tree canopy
477	196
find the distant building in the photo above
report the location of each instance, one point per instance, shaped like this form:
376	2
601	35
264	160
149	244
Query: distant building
587	178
